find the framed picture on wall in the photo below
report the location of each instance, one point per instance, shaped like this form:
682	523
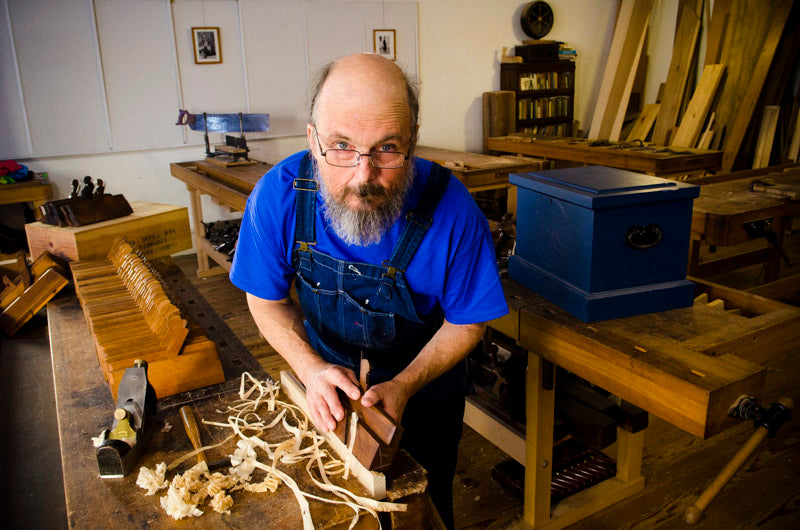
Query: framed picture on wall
383	43
207	48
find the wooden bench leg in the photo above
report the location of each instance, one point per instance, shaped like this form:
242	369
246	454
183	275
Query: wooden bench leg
539	409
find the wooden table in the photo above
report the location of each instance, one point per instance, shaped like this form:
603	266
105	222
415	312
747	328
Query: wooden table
722	210
686	366
479	172
652	160
85	407
231	186
35	191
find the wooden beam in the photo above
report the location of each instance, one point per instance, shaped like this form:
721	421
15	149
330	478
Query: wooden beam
620	65
374	482
757	77
682	54
794	147
720	18
692	122
644	123
766	136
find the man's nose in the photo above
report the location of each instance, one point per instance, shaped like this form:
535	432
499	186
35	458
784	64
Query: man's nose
364	171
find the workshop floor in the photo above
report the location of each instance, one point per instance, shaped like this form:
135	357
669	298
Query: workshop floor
677	466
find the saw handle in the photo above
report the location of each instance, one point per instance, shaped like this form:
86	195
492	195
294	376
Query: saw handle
190	424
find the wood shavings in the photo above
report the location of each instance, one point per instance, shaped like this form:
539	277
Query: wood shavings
152	479
258	410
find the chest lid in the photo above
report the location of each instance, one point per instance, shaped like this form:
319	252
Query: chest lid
603	187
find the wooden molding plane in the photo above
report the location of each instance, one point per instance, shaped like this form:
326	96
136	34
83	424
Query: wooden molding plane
377	435
130	316
84	211
24	296
373	481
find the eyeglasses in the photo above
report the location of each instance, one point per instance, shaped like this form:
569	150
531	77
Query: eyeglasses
351	157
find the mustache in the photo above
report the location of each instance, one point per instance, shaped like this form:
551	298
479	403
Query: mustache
367	190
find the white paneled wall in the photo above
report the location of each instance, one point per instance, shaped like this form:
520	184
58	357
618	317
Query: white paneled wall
98	76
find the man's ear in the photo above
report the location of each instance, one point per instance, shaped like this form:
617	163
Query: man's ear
310	134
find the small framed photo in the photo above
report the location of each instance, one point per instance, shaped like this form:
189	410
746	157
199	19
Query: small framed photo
207	48
383	43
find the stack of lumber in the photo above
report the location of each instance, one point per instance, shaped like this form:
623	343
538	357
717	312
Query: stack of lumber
734	105
130	316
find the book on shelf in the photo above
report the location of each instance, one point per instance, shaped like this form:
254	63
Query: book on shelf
546	107
545	81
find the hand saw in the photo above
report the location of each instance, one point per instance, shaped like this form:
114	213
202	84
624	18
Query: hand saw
224	122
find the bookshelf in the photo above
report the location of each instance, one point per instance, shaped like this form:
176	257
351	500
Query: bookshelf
545	94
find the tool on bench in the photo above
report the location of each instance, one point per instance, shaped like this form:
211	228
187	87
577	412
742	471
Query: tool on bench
767	185
767	422
190	424
122	445
763	228
377	435
234	152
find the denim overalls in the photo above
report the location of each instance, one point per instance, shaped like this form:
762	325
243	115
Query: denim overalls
358	309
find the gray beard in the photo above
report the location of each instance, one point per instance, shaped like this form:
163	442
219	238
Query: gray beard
364	227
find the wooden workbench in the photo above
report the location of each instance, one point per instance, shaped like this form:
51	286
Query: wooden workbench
36	191
85	407
723	208
231	186
652	160
686	366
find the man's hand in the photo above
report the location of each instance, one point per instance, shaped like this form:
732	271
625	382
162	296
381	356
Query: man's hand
392	394
323	401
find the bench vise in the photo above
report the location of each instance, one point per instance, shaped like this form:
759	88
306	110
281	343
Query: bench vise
121	446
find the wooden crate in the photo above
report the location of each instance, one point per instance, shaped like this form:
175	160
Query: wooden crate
156	229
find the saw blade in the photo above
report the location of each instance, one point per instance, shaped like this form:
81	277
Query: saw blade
229	123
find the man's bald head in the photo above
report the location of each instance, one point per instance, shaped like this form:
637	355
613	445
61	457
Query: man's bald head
365	77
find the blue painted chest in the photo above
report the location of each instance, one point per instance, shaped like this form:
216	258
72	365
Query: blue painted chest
603	243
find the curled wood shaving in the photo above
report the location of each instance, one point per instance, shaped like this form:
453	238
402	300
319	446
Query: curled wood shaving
257	410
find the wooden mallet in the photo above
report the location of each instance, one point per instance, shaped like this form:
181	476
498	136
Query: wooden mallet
767	422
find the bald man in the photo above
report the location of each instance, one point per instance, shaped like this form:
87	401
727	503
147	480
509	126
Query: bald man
391	258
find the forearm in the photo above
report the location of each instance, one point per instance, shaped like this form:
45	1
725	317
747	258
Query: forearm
451	344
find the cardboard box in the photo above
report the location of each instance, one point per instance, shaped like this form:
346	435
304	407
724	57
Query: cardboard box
157	230
603	243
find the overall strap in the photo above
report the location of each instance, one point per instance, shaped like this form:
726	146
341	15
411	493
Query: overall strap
305	203
419	220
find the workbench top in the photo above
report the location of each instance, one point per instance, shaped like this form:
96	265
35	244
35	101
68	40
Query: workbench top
85	408
686	366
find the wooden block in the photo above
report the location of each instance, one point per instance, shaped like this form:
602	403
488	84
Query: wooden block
700	104
591	427
374	482
156	229
187	371
499	113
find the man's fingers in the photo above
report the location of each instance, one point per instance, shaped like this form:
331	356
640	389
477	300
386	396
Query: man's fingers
346	381
371	397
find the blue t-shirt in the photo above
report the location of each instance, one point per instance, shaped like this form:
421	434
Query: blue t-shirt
454	266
